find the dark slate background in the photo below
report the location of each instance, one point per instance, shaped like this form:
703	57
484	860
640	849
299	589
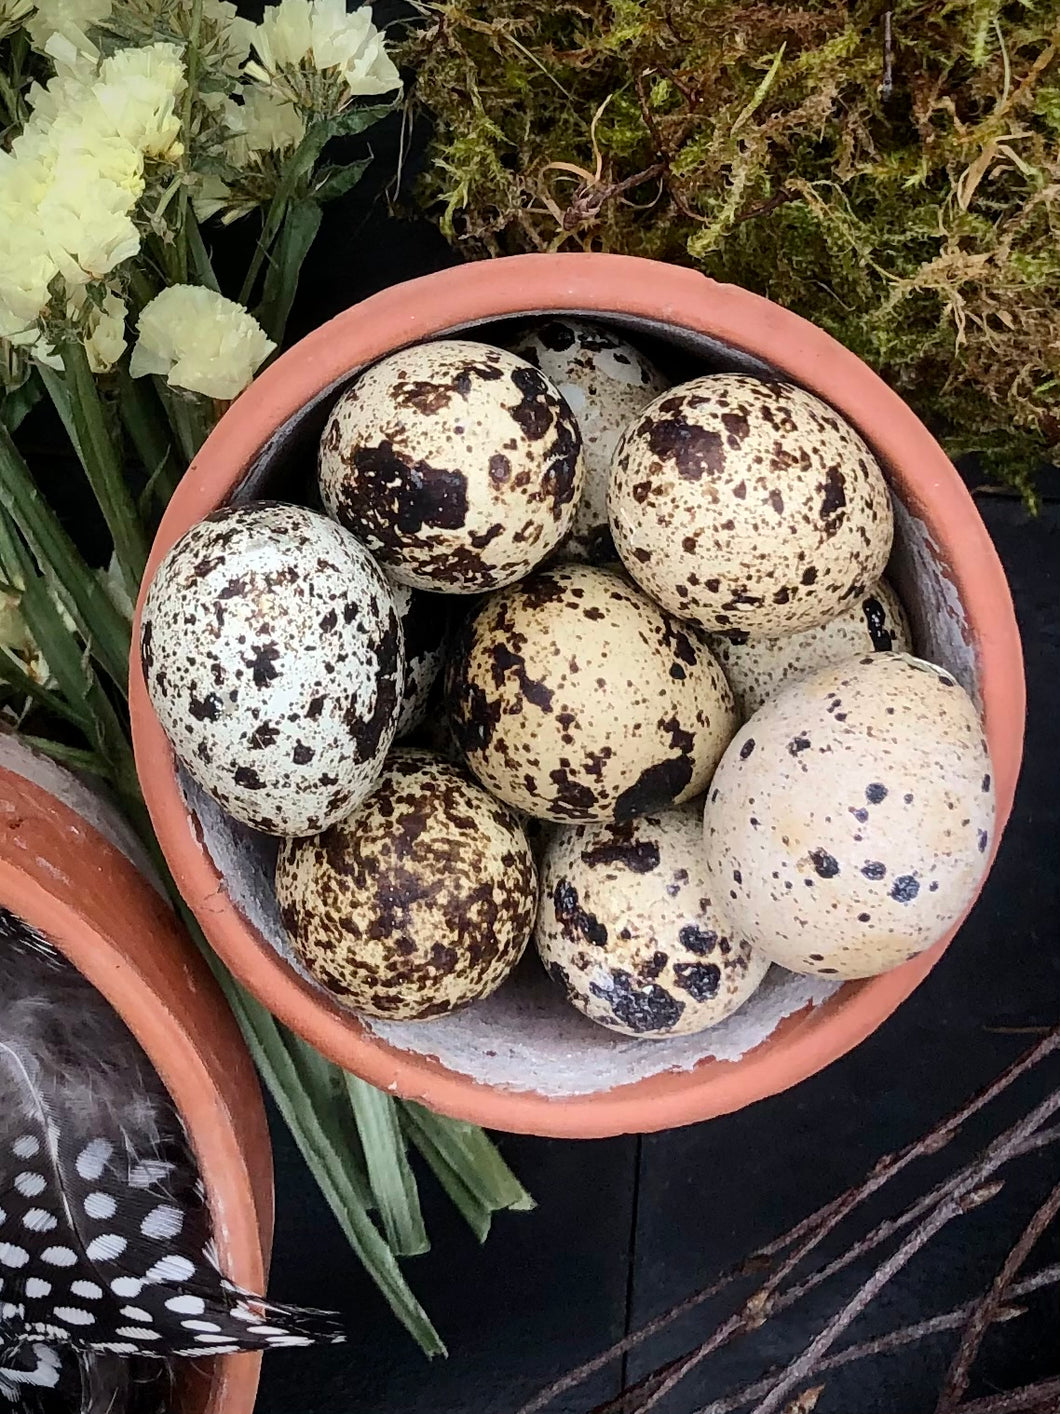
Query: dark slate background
626	1227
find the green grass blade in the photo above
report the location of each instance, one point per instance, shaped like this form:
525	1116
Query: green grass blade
328	1167
393	1182
468	1165
13	673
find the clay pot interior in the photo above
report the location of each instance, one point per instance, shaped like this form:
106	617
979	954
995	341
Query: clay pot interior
526	1036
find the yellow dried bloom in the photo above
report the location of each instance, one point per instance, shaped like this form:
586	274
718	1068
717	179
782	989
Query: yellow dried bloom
198	340
72	19
320	35
13	15
264	122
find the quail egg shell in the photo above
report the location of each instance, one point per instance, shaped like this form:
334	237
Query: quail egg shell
419	901
747	504
605	382
574	697
759	667
848	826
272	654
459	465
425	628
627	928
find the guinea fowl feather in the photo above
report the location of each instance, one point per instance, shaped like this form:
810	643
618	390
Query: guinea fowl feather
106	1254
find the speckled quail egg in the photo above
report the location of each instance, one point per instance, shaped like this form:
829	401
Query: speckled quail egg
458	465
419	901
425	628
627	928
272	654
574	697
848	826
759	667
747	504
605	382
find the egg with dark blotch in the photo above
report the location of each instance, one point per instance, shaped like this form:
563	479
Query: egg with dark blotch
849	824
272	654
419	902
459	465
748	504
759	667
425	628
605	382
573	697
628	930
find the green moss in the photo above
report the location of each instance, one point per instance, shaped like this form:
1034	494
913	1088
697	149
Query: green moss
904	195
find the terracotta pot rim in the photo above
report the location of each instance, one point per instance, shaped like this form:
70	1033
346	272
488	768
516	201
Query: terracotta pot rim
63	877
622	287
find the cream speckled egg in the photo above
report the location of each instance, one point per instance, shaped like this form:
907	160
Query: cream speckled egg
272	654
605	382
457	464
574	697
419	901
425	628
760	667
848	825
627	928
745	504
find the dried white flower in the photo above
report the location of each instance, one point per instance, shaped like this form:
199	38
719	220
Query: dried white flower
72	19
104	333
70	184
199	340
264	122
319	35
13	15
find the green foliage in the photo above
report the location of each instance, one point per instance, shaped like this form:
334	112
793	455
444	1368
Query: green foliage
890	171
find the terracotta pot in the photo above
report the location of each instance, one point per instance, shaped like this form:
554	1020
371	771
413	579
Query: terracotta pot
944	562
70	867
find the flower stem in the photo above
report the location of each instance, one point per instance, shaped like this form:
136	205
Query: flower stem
103	467
104	629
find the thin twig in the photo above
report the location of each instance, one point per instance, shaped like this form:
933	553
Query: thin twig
972	1189
646	1393
956	1382
885	1168
893	1340
1028	1400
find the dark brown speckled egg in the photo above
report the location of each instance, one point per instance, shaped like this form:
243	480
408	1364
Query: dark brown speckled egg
273	656
628	929
459	465
747	504
574	697
420	901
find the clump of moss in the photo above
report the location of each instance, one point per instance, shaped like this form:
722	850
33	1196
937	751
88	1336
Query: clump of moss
889	170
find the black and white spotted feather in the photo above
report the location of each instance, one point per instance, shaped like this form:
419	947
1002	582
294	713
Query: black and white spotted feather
106	1258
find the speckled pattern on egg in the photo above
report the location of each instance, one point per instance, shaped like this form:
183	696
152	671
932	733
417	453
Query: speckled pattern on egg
848	825
574	697
747	504
425	627
458	465
605	382
627	929
420	901
758	668
272	654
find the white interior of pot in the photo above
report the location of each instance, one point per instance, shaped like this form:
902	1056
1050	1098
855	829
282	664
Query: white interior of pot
526	1036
